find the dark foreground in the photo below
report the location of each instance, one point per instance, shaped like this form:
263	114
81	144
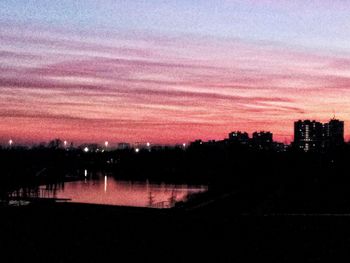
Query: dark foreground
90	233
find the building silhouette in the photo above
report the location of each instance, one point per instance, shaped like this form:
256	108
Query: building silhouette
238	137
262	140
308	135
196	143
262	137
123	146
313	136
334	133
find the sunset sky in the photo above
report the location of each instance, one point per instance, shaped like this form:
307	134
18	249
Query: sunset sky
170	71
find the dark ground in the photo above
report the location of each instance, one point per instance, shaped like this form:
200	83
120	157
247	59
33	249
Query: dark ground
286	207
214	232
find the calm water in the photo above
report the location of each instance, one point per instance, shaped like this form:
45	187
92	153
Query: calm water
107	190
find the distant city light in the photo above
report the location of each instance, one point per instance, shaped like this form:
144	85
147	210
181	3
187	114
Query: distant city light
184	144
106	143
148	144
137	150
105	183
86	149
85	173
10	142
65	143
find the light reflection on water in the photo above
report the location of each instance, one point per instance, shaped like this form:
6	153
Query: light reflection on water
110	191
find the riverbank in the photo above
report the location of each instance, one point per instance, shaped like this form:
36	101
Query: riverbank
66	232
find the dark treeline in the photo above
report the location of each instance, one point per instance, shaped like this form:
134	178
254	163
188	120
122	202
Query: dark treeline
258	174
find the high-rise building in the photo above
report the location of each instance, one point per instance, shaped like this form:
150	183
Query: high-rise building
315	136
334	133
308	135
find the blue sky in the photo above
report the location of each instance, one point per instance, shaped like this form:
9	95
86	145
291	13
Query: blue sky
322	23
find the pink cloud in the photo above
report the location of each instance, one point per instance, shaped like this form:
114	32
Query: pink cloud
162	89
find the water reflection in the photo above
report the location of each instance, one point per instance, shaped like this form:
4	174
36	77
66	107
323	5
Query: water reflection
106	190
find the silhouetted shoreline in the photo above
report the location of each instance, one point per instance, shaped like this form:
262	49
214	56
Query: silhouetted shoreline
261	204
232	167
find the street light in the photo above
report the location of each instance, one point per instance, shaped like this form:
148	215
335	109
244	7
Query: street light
10	142
106	144
86	149
137	150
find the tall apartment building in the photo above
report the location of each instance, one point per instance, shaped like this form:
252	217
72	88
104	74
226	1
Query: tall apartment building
315	136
